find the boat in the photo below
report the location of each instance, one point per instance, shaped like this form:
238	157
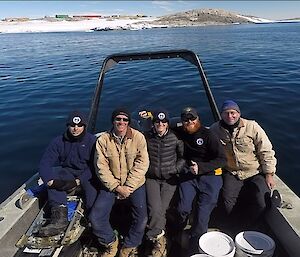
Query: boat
22	210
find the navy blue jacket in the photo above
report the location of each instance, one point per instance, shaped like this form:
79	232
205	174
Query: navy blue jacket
68	153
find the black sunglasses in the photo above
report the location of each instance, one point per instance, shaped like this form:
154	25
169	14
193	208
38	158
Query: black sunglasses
121	119
187	118
78	125
158	121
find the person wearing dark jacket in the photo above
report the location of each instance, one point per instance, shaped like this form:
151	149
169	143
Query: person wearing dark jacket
202	180
65	165
166	160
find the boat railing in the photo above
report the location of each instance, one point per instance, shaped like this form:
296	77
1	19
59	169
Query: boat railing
114	59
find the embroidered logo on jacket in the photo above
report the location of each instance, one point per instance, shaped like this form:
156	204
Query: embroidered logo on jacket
199	141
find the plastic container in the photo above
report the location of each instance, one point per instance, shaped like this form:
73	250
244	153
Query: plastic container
200	255
216	244
252	244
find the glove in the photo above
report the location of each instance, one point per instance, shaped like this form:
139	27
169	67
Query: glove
63	185
69	185
57	184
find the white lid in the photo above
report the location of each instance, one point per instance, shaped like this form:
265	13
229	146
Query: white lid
200	255
216	244
254	242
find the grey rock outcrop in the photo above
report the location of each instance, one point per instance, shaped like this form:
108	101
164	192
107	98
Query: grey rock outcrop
200	17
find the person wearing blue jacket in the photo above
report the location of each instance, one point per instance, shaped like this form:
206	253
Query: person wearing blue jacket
66	164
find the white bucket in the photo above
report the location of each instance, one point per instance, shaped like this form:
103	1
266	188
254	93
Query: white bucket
252	243
216	244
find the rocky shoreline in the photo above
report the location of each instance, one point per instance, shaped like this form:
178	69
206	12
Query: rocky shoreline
197	17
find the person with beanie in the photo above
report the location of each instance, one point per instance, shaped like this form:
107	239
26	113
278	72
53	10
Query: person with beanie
248	174
202	180
121	162
166	162
65	165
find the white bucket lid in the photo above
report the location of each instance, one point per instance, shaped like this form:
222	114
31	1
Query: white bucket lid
217	243
200	255
254	242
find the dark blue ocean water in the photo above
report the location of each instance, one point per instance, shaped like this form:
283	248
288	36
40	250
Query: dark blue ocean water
43	76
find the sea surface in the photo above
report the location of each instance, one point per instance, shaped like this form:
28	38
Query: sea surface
44	76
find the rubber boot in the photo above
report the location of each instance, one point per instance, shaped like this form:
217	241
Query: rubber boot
159	247
58	224
128	252
110	250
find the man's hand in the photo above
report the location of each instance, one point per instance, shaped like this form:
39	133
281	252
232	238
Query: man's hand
145	115
270	181
194	168
124	191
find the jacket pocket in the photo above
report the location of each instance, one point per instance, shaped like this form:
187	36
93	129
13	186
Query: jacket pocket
244	145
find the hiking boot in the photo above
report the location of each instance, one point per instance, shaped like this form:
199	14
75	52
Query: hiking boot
110	250
159	247
58	223
128	252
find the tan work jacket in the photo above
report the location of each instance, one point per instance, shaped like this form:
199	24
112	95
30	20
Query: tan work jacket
122	163
248	150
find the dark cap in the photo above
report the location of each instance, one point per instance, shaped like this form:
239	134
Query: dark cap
189	112
160	115
76	118
230	105
120	111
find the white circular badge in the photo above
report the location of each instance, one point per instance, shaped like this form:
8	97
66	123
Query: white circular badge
199	141
161	116
76	120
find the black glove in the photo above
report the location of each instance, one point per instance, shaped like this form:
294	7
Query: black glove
57	184
64	185
69	185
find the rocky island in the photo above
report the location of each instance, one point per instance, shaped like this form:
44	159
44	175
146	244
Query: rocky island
202	17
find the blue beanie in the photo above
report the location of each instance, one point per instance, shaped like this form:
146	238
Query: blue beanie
230	105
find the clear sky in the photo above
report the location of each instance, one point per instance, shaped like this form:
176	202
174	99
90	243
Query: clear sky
37	9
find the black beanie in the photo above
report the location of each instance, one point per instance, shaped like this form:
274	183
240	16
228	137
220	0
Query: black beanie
160	115
76	118
120	111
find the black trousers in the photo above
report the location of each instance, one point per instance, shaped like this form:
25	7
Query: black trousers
159	196
244	201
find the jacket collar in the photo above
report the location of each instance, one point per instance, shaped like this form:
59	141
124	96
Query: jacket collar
129	133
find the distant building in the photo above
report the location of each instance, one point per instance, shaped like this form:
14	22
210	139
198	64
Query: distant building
87	16
62	16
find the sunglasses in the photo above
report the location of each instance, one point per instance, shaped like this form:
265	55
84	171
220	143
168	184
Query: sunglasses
158	121
191	118
78	125
122	119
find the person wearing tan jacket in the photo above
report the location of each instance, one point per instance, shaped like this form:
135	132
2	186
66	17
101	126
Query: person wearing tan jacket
251	164
121	161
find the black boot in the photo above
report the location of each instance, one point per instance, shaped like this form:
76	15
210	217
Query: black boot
58	223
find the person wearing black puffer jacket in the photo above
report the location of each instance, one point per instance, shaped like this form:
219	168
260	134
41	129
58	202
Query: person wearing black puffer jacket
166	160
